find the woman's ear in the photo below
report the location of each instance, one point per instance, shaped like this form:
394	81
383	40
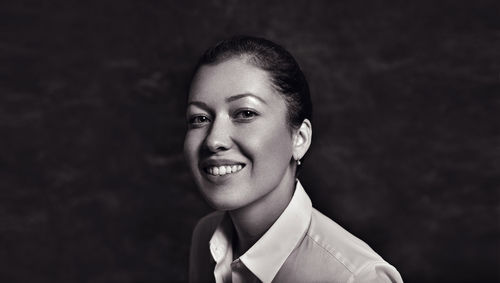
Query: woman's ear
302	139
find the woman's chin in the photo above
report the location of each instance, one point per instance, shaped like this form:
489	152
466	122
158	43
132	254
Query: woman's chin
221	206
224	203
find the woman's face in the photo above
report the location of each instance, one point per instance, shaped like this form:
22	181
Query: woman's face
238	143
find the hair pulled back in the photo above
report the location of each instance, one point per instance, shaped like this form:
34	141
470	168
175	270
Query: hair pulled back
285	74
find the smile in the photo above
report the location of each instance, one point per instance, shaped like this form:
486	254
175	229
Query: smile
223	169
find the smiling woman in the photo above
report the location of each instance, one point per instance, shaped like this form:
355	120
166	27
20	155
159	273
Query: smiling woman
249	125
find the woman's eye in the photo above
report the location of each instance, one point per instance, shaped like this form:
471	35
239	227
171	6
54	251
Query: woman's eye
198	120
245	115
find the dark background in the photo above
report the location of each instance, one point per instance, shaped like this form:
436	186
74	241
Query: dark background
406	147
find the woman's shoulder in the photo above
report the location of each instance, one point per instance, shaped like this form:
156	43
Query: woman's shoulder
340	243
202	233
200	261
329	253
329	233
207	224
348	252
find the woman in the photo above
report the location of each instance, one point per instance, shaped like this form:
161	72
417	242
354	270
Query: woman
249	125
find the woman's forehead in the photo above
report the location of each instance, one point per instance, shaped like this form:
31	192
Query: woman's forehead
229	78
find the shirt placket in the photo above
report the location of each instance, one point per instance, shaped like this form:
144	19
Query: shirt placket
241	274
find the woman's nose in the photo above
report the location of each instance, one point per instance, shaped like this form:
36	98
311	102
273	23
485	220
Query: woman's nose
218	137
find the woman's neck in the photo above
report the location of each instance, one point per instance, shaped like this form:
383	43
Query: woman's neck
253	220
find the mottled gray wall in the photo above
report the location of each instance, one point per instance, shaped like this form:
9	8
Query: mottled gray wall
93	186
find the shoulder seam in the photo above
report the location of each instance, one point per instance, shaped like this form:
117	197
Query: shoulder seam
363	267
330	253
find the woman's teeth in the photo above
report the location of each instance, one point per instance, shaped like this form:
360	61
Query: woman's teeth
223	170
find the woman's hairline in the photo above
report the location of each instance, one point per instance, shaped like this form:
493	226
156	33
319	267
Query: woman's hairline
253	60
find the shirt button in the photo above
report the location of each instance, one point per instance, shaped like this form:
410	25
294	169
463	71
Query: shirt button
236	264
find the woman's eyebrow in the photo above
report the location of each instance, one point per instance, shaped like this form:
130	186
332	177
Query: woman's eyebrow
200	104
242	95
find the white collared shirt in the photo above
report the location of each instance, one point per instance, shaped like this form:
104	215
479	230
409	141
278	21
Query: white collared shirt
302	245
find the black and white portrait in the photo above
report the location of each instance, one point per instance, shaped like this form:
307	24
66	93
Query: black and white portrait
249	141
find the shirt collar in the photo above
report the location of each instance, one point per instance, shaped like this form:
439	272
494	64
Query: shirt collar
265	258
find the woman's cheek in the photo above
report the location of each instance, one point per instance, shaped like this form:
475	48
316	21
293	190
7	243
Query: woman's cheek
269	147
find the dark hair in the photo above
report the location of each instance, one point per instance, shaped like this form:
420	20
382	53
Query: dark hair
286	76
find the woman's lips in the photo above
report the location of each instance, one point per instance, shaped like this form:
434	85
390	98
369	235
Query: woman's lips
221	166
222	170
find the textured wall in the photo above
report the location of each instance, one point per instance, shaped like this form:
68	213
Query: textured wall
406	151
